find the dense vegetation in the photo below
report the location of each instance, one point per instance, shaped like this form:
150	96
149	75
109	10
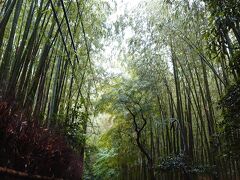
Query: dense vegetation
167	107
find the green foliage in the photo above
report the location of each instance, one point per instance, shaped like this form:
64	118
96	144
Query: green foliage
178	162
173	162
75	135
113	151
106	165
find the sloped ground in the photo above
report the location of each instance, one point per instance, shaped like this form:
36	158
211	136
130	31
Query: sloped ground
34	150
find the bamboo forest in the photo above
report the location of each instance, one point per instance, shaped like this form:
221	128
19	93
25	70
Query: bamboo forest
120	89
